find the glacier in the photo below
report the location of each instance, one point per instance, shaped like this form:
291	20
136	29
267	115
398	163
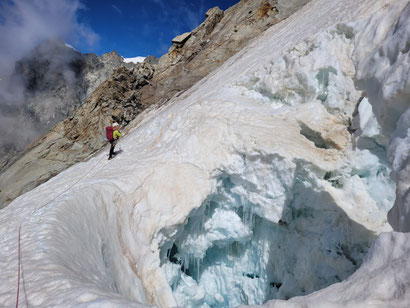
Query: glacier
281	179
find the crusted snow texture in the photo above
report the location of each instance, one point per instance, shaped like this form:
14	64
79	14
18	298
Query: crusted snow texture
264	143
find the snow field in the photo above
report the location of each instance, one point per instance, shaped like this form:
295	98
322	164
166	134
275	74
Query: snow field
134	60
255	162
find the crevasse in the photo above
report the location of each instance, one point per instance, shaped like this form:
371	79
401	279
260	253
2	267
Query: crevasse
268	232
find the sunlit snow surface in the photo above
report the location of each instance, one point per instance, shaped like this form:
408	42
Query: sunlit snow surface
250	186
134	60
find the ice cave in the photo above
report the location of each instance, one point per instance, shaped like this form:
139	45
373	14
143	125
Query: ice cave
280	179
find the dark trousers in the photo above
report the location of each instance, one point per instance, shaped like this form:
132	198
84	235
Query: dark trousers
113	143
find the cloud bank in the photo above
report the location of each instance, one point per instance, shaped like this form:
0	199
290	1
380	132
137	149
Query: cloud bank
25	28
26	23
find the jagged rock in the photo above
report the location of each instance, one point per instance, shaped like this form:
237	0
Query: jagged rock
181	39
213	17
151	60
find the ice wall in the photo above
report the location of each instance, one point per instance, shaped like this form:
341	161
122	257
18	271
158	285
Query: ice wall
383	61
230	251
275	147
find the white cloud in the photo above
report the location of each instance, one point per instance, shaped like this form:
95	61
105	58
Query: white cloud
26	23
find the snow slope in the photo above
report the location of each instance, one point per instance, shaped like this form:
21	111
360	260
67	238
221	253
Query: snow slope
259	156
134	60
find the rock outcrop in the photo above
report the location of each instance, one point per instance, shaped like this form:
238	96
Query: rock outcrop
75	138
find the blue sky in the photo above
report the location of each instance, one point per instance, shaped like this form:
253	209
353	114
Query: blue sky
141	27
130	27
